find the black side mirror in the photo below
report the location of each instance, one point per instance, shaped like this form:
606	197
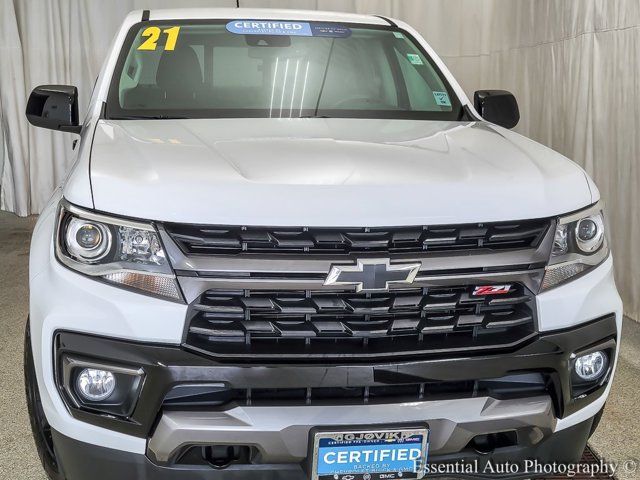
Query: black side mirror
54	107
497	106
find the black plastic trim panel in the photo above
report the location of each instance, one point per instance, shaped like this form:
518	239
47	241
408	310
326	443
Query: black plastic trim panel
525	385
388	20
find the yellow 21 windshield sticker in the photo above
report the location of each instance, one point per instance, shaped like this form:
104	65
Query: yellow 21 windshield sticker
152	35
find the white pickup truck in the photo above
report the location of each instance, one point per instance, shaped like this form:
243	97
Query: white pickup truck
290	247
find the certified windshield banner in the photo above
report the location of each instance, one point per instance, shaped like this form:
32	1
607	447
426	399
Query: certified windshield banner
299	29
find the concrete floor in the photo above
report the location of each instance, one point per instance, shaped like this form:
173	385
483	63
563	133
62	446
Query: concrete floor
617	439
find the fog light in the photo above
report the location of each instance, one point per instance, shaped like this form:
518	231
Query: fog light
95	385
591	366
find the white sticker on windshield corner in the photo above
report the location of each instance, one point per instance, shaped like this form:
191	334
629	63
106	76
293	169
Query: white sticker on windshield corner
398	35
442	99
415	59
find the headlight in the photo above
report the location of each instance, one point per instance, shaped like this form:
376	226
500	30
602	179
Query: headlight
119	251
580	244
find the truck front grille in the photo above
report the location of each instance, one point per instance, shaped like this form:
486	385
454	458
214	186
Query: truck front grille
217	240
247	325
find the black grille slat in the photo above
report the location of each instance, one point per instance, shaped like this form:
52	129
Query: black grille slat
205	240
329	327
295	330
509	300
367	329
295	306
440	306
408	325
513	319
439	327
330	304
259	327
224	331
469	320
343	324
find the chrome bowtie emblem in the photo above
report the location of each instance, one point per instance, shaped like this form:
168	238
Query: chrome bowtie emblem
372	274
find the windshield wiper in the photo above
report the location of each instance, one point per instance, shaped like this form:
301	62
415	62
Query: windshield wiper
324	77
313	116
147	117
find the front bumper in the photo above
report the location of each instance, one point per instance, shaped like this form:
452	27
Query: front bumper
278	432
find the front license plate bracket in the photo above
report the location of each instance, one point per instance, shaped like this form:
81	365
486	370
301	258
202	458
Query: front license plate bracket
381	452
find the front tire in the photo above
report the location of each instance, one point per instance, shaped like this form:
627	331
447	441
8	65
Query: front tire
40	427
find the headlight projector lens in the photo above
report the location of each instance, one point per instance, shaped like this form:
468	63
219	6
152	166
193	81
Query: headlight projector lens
86	240
590	233
591	366
95	385
88	236
587	230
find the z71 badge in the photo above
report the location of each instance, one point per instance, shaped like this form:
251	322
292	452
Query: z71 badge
492	290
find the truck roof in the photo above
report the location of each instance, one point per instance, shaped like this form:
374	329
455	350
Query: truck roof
259	14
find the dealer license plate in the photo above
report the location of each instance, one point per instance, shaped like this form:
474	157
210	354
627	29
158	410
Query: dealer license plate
370	454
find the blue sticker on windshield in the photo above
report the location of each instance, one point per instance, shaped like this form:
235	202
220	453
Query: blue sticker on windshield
442	99
298	29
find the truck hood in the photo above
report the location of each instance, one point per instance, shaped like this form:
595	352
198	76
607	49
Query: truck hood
332	172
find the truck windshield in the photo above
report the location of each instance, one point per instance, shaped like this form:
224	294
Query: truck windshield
271	69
